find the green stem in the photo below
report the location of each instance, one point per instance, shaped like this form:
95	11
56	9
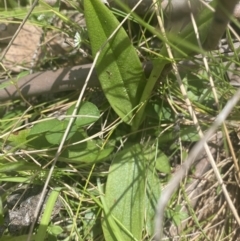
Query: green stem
158	67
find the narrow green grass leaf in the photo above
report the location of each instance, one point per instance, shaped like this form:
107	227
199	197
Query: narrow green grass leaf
49	206
15	179
118	67
125	193
18	166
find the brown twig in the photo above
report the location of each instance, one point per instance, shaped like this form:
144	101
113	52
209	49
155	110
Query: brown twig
70	78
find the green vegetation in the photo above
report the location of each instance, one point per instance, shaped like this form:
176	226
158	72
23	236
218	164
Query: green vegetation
112	157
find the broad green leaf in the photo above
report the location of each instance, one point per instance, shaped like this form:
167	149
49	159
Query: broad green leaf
152	193
189	133
19	138
125	194
146	159
39	142
92	154
109	223
55	230
87	114
54	129
43	127
118	67
86	152
54	136
162	163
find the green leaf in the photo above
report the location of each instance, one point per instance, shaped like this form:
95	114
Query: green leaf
54	136
152	190
19	138
87	114
125	194
43	127
5	84
18	166
55	230
54	129
108	224
86	152
189	133
49	206
177	215
23	74
15	179
162	163
118	67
